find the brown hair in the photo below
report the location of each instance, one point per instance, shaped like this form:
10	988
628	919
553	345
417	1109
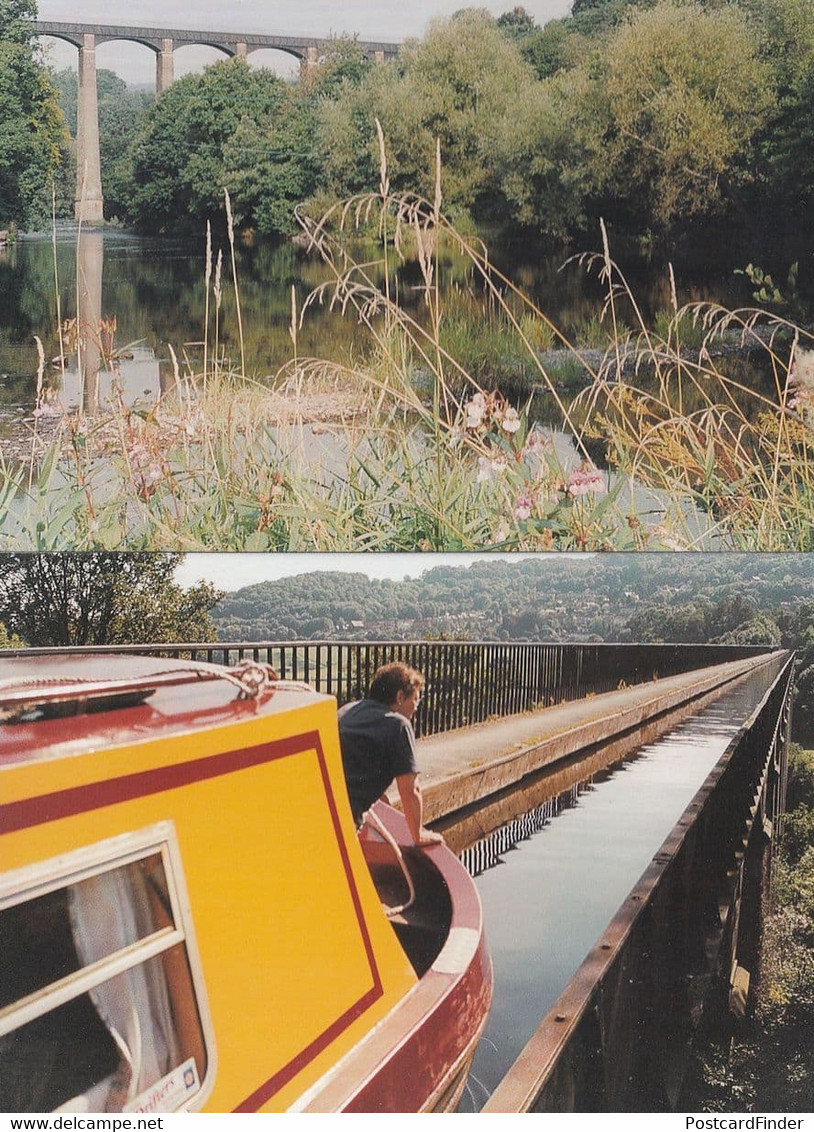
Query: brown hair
393	678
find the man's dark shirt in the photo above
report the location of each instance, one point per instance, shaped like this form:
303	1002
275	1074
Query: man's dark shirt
378	745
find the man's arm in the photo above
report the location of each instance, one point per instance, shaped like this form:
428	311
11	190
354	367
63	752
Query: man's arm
413	805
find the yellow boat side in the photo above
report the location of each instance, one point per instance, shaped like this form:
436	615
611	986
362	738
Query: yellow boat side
292	958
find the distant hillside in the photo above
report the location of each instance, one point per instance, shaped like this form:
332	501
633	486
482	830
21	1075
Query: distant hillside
605	597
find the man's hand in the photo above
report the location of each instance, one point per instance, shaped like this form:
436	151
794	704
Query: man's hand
412	804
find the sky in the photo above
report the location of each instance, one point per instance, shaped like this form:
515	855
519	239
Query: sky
385	20
233	571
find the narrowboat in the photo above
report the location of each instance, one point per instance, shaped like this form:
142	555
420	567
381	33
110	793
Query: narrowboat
190	920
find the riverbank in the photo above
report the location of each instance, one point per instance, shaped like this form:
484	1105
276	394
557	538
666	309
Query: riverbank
663	434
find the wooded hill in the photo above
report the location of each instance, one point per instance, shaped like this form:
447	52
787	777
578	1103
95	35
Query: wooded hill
620	597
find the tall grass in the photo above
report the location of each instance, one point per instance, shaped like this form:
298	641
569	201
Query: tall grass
412	447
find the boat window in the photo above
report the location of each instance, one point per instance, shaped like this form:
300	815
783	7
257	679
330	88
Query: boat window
98	1005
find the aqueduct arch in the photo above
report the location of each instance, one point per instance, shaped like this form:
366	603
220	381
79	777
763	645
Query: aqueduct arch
89	203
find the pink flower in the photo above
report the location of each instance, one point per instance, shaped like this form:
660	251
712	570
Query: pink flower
801	381
488	467
585	480
522	509
536	443
484	469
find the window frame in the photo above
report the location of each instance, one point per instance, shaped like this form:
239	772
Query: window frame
19	886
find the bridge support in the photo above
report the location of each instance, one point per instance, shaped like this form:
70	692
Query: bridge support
164	73
88	206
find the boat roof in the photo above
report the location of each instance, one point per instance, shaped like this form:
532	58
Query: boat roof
52	706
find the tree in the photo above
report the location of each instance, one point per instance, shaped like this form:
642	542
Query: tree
98	599
516	24
9	640
33	139
687	96
797	628
786	41
462	86
187	154
273	166
758	630
551	48
342	64
547	153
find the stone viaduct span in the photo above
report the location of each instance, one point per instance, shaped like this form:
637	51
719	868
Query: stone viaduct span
89	202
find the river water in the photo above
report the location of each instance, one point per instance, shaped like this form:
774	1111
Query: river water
154	289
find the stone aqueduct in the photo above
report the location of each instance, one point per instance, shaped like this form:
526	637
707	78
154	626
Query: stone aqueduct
163	41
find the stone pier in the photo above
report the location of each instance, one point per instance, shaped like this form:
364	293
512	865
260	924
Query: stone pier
164	73
88	206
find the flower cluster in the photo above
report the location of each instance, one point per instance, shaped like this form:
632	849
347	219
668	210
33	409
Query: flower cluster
147	467
485	410
585	480
491	466
49	405
544	503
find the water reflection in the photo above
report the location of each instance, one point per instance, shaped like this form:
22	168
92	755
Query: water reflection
89	266
155	290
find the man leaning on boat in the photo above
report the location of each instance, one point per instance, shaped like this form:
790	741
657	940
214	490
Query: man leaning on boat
378	747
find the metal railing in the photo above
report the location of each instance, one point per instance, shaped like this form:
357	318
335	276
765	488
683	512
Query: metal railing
466	682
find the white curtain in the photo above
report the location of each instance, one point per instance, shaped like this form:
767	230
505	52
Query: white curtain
109	912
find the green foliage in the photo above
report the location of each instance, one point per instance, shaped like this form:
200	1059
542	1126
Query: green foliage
798	836
528	599
82	599
209	132
516	24
488	348
568	372
9	640
797	627
463	85
653	115
679	331
768	1067
800	786
272	166
768	294
733	620
687	95
33	140
795	881
551	48
343	65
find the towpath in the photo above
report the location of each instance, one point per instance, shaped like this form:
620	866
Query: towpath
458	767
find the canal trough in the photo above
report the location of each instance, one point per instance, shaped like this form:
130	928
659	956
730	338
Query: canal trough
557	852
